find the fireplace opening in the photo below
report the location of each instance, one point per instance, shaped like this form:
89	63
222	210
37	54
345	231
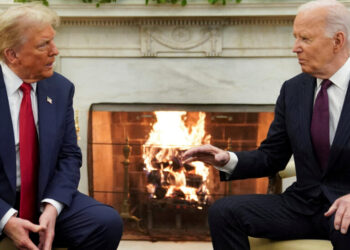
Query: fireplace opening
134	162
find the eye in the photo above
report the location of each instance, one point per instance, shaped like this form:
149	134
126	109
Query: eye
305	39
43	45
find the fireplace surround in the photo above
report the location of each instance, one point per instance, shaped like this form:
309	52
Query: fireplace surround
156	203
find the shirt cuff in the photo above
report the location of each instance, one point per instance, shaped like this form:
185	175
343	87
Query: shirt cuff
230	165
11	212
58	205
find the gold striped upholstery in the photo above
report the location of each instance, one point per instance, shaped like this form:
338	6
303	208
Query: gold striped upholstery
266	244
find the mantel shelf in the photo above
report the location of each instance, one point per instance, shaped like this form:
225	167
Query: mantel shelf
195	8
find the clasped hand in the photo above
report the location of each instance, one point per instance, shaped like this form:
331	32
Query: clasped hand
18	230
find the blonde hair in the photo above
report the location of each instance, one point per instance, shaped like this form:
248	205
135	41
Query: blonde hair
16	20
337	19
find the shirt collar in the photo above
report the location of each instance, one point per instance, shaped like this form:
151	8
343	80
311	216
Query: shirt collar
12	81
341	78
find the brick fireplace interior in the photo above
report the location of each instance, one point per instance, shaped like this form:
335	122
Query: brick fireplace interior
157	208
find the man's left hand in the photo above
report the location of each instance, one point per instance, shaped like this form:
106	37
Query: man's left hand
341	208
48	220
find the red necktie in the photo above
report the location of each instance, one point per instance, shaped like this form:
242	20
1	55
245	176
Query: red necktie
320	125
28	152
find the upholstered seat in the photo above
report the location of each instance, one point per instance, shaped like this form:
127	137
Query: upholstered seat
275	186
266	244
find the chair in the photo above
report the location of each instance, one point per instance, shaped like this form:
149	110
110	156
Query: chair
6	244
275	186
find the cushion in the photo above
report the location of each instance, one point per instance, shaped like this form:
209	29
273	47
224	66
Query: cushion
267	244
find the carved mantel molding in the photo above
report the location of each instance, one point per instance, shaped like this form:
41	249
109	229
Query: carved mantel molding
137	8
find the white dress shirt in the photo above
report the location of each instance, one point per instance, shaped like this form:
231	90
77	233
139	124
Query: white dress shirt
14	94
336	96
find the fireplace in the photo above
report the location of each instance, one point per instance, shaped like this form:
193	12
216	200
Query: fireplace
135	164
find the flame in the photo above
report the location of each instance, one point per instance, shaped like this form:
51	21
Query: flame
167	176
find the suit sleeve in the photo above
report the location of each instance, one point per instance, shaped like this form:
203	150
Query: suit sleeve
273	153
65	180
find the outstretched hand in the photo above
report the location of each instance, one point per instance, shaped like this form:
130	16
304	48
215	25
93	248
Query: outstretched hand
18	230
207	154
341	208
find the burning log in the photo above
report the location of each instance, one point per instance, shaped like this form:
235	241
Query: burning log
155	163
169	179
160	192
189	167
154	177
159	165
177	165
178	194
194	180
202	195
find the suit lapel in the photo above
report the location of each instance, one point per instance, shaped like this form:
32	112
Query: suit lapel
342	133
306	103
47	129
306	107
7	142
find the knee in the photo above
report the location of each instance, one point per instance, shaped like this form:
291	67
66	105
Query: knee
112	223
339	240
225	210
108	227
218	212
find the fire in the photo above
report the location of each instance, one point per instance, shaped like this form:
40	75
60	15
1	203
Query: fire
167	176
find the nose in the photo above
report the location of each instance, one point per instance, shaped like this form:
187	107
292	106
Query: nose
53	49
296	46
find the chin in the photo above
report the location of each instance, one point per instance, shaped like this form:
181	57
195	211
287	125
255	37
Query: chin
47	74
306	70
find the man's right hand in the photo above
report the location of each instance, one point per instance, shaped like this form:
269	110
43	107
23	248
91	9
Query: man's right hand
208	154
18	230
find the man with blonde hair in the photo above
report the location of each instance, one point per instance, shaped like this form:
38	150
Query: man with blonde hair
312	123
40	205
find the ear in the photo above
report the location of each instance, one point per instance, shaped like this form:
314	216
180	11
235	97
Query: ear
339	40
10	55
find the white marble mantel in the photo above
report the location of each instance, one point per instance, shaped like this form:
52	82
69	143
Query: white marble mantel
127	52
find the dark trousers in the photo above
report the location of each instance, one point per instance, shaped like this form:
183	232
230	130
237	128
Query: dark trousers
232	219
88	224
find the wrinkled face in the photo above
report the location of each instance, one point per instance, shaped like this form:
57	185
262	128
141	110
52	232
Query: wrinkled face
315	51
36	56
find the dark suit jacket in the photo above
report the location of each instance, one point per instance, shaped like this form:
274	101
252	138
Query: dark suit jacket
289	134
60	157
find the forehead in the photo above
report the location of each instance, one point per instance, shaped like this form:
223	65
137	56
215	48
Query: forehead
310	20
36	33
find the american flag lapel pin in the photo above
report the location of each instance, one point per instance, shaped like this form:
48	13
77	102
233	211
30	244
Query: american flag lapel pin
49	100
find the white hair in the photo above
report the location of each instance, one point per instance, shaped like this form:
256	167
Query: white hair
337	19
16	20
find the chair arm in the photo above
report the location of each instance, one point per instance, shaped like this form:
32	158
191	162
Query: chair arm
289	171
275	182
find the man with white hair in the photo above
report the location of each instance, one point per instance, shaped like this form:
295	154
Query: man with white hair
40	205
312	123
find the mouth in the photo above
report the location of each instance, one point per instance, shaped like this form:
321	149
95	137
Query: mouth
301	61
50	65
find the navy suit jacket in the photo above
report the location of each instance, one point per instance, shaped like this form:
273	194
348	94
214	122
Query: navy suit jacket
289	134
60	156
